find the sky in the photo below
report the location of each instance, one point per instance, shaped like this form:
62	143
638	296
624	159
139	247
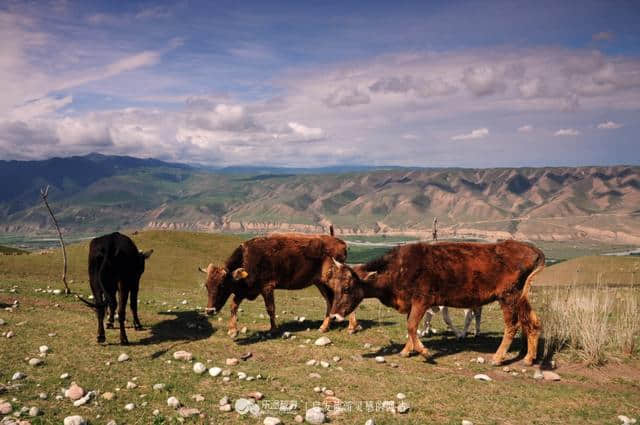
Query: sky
317	83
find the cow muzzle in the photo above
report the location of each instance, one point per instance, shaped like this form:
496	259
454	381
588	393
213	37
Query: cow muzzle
338	317
211	311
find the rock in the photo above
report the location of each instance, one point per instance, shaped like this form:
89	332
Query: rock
5	408
286	335
224	400
232	361
317	389
57	291
394	365
2	322
34	411
156	412
380	359
246	356
626	420
183	355
243	330
324	364
226	379
64	376
43	349
271	420
538	375
84	400
173	402
74	392
43	396
336	359
241	375
312	362
123	357
550	376
480	360
112	422
199	368
315	416
370	422
18	376
402	407
226	408
226	372
158	387
35	361
131	385
256	395
108	396
197	397
243	405
329	393
74	420
482	377
321	342
367	346
315	375
215	371
466	422
9	334
299	419
401	396
187	412
129	406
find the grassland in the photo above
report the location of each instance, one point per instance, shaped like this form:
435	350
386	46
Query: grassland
439	391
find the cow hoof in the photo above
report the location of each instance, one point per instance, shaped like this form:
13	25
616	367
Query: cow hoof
324	329
496	362
232	333
139	328
101	340
109	325
528	361
351	331
404	353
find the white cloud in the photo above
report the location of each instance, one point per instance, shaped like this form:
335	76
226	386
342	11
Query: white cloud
525	129
308	133
482	80
609	125
346	97
40	107
479	133
571	132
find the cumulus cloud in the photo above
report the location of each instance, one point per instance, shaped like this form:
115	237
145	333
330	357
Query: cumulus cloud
482	80
525	129
609	125
570	132
603	36
479	133
307	133
346	97
419	86
531	88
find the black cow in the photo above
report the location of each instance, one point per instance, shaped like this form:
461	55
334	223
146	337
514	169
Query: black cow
115	265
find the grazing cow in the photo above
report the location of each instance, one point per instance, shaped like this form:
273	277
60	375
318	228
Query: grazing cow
279	261
469	314
412	278
115	265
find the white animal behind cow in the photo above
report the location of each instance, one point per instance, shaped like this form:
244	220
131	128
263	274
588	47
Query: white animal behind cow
469	313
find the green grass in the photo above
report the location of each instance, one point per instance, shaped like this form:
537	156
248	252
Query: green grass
440	392
8	250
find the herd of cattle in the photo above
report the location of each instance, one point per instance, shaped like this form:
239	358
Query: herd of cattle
415	279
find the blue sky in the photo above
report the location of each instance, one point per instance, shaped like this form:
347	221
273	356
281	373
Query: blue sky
469	84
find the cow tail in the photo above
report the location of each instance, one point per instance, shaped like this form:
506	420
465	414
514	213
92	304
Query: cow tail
102	299
90	304
537	268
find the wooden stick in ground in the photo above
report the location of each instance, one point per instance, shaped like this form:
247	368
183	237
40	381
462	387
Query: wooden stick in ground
44	192
435	229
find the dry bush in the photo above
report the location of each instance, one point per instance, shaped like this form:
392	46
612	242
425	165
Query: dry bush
627	324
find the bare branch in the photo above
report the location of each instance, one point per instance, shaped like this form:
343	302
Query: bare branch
44	192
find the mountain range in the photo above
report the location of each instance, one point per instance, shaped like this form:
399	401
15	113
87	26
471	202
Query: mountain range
98	193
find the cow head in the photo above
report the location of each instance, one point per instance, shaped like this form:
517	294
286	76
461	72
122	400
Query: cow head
219	285
349	290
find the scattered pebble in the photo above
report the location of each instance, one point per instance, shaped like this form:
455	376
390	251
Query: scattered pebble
286	335
123	357
43	396
187	412
9	334
329	393
112	422
466	422
626	420
482	377
108	396
232	361
43	349
246	356
315	416
550	376
84	400
299	419
64	376
173	402
380	359
18	376
5	408
271	420
256	395
156	412
321	342
35	361
312	362
197	397
480	360
226	408
215	371
183	355
241	375
74	392
401	396
336	359
538	375
34	411
131	385
402	407
158	387
75	420
243	330
317	389
370	422
315	375
199	368
129	406
324	364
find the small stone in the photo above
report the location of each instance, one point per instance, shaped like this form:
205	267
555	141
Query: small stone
215	371
9	334
232	361
241	375
226	372
324	364
480	360
187	412
243	330
506	369
317	389
112	422
301	319
18	376
271	420
256	395
226	379
34	411
394	365
131	385
286	335
74	420
315	375
43	349
336	359
156	412
401	396
123	357
52	334
482	377
5	408
84	400
402	407
108	395
321	342
329	393
2	322
74	392
224	400
35	361
129	406
64	376
466	422
550	376
57	291
226	408
370	422
173	402
43	396
197	397
199	368
537	375
246	356
299	419
626	420
311	362
158	387
380	359
315	416
183	355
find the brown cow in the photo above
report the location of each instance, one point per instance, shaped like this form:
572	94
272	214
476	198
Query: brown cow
279	261
411	278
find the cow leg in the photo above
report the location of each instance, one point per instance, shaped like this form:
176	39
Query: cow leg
477	312
427	320
353	324
328	298
112	311
134	307
122	307
413	342
233	321
510	315
100	313
270	304
447	320
530	330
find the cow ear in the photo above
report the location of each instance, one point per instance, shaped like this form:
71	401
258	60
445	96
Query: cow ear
239	274
370	276
146	254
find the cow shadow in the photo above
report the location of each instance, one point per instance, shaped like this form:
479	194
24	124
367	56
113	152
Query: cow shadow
182	326
294	326
444	345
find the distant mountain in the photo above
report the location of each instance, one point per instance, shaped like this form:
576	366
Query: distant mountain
97	193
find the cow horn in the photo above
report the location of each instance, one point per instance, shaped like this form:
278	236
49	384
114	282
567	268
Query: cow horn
336	262
146	254
239	274
202	270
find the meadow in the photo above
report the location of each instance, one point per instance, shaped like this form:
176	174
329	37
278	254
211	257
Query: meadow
440	390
